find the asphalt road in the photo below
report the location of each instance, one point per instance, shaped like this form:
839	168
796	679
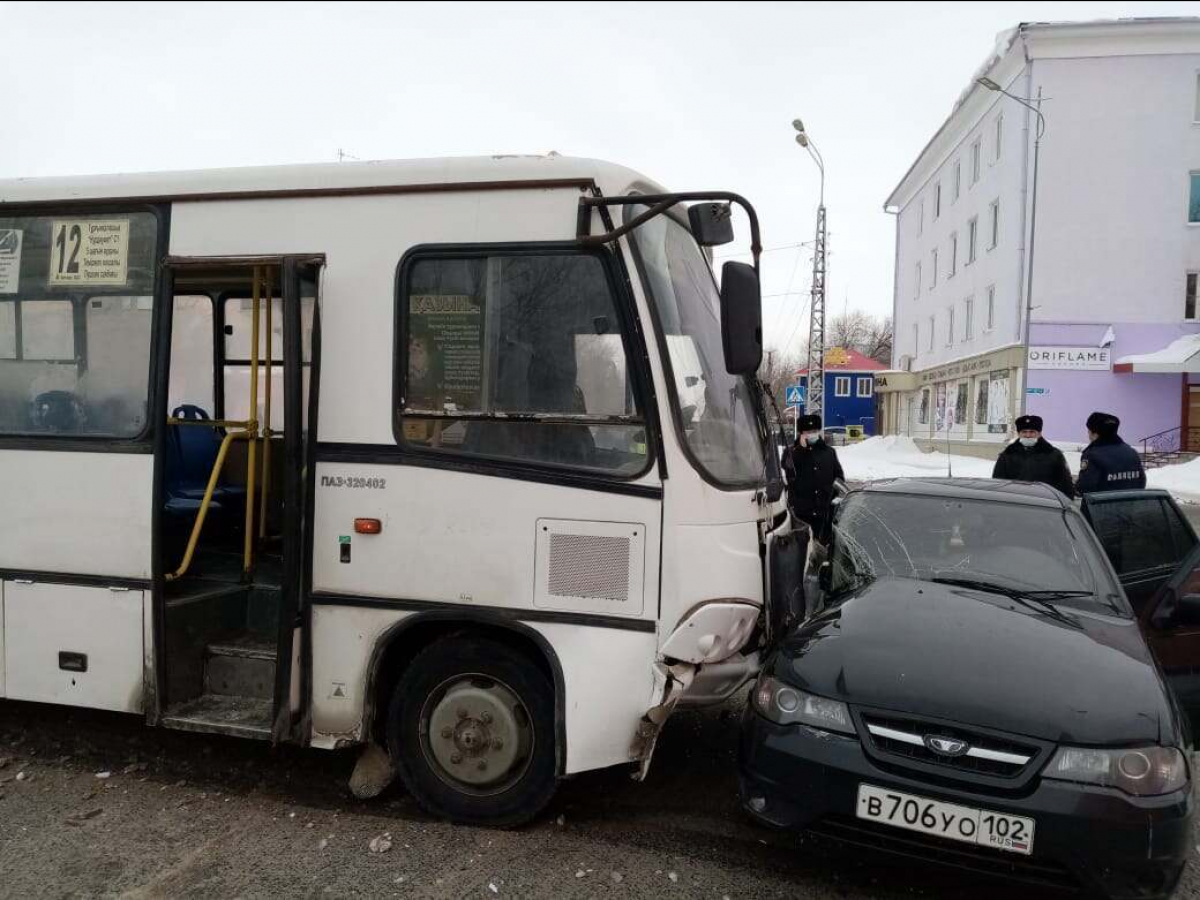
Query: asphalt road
193	815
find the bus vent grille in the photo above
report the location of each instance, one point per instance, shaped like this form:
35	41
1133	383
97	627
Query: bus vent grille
591	566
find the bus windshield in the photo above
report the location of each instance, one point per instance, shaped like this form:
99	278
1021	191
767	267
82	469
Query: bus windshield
713	409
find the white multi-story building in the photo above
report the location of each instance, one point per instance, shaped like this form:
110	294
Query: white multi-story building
1116	252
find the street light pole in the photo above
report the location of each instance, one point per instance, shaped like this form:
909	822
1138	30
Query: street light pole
1036	109
814	401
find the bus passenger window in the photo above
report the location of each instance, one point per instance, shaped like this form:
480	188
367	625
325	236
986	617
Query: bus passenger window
521	358
76	310
192	354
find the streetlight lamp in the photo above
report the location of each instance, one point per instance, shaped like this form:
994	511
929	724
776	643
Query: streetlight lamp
814	403
1037	143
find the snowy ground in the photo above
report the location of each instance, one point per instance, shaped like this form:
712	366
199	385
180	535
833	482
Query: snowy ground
899	457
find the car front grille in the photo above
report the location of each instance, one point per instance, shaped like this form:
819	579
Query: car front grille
988	755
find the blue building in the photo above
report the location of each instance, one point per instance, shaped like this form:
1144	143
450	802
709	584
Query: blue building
849	389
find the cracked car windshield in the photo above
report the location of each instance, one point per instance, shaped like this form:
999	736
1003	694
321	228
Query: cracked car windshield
713	406
1006	545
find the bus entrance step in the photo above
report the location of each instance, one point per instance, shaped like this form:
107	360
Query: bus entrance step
243	667
247	717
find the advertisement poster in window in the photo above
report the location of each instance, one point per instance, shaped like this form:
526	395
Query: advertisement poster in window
960	403
445	353
10	259
981	400
941	407
998	403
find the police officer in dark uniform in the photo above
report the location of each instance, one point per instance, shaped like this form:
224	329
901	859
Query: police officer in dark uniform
1109	464
812	467
1032	458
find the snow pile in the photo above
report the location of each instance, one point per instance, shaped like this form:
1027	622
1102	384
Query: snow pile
897	456
1182	480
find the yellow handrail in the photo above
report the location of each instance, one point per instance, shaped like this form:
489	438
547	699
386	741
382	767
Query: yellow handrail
266	461
210	423
206	502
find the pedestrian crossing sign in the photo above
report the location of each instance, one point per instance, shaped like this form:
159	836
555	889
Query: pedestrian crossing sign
794	395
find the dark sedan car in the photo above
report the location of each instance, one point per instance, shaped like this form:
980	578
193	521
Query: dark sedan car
977	690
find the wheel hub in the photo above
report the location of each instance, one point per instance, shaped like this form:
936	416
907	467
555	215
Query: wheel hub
478	733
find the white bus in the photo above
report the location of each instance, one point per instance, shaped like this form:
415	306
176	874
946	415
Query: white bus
462	460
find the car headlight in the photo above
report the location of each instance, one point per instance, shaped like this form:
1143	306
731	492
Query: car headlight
788	706
1140	771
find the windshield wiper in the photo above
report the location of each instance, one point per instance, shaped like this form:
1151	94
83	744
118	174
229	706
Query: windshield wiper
1040	600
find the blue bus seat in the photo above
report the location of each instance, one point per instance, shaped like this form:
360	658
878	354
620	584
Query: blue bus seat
191	453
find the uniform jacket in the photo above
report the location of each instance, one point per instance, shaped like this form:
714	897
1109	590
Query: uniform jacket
1042	462
1110	464
811	474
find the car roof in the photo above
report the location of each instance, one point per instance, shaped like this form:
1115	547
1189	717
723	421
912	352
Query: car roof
992	489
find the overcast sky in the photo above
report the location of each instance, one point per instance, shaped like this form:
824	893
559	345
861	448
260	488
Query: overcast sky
694	95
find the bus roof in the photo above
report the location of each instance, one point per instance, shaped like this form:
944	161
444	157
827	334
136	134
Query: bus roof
325	179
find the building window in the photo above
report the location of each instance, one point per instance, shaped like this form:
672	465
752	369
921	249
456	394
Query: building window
981	400
950	327
957	178
923	413
953	254
865	386
933	268
494	340
841	386
972	239
937	200
990	319
1194	199
931	325
1196	113
994	218
916	339
968	318
917	294
999	137
975	153
921	217
961	398
1189	296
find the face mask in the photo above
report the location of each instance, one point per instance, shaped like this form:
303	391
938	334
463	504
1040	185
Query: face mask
812	437
1028	442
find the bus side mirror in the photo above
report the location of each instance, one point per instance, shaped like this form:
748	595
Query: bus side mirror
712	223
741	318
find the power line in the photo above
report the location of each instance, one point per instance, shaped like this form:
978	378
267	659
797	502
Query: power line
768	250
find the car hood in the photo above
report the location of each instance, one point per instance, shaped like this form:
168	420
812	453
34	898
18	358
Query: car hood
981	659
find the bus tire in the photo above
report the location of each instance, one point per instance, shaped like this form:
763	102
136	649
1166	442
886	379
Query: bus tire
471	730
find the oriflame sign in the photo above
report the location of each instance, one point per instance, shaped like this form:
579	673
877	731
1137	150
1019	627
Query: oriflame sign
1080	359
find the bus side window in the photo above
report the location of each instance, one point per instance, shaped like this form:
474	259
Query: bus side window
518	357
76	314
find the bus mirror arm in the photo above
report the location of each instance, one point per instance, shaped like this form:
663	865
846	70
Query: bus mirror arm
658	203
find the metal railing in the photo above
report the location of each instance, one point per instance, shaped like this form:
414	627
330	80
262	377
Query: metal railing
1172	441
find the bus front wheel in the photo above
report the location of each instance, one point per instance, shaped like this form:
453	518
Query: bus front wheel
471	729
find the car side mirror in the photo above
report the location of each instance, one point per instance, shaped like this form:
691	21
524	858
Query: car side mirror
712	223
741	318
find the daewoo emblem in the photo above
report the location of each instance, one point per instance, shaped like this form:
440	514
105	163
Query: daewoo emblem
945	746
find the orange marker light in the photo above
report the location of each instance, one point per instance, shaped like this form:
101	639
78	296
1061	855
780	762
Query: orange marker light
367	526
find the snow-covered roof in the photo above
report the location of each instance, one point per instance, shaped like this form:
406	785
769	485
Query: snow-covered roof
350	177
1181	355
